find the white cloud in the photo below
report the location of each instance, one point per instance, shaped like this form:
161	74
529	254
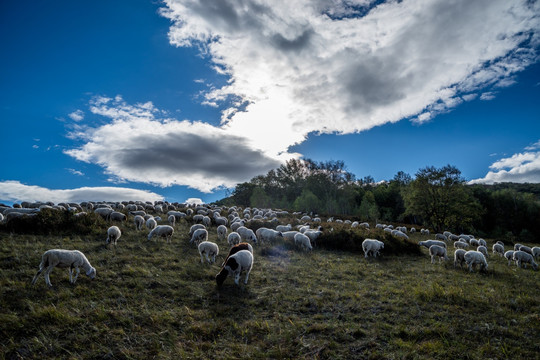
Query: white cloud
137	146
488	96
14	191
520	168
306	66
195	201
76	172
77	115
35	146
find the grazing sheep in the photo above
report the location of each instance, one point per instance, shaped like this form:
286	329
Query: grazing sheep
482	242
113	234
483	250
289	235
313	235
437	251
453	237
536	252
473	242
198	218
413	230
71	259
206	221
209	249
172	220
441	237
237	224
475	257
199	236
284	228
234	238
103	212
303	241
429	243
447	234
268	235
461	245
117	216
247	234
221	232
498	249
305	218
400	235
517	246
236	248
165	231
371	247
234	266
194	228
424	231
139	221
526	249
509	255
151	223
522	257
459	255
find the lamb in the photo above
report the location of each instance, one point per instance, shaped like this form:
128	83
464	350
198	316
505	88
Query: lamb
165	231
195	227
460	245
234	266
509	255
71	259
113	234
459	255
209	249
429	243
475	257
522	257
139	221
199	236
483	250
372	246
172	220
437	250
221	232
151	223
303	241
498	249
233	238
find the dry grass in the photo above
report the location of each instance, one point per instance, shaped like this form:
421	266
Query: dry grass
156	300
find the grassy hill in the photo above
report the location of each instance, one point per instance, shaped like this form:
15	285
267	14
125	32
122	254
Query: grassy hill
156	300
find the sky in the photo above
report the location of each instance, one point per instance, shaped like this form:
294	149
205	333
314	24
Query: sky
184	99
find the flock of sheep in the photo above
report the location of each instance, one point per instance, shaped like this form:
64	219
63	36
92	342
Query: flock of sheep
233	229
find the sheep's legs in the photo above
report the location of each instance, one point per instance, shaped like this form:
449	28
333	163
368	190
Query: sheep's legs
247	276
37	275
46	275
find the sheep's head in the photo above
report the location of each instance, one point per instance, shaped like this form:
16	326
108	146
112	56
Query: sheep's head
91	273
221	276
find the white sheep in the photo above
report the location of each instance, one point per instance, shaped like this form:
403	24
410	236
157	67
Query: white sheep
151	223
236	248
199	236
247	234
536	252
459	256
139	221
303	241
268	235
441	237
206	221
424	231
194	228
233	238
482	242
372	247
400	235
234	266
498	249
117	216
483	250
289	235
165	231
522	257
429	243
526	249
517	246
460	245
509	255
313	235
71	259
113	234
172	220
475	257
221	232
284	228
473	242
209	249
437	251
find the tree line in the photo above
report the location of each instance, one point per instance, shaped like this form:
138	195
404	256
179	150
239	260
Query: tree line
438	198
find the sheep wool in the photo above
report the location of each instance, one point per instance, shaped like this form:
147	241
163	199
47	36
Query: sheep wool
71	259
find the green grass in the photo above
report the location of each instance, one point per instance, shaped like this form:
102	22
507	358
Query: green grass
156	300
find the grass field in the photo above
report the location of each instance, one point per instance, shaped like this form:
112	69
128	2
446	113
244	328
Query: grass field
152	300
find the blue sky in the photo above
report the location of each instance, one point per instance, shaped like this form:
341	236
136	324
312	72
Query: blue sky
183	99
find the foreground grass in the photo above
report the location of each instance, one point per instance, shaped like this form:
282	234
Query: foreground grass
156	300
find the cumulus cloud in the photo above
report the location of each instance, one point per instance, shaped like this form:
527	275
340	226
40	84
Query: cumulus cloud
520	168
15	191
137	146
347	66
194	201
77	115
